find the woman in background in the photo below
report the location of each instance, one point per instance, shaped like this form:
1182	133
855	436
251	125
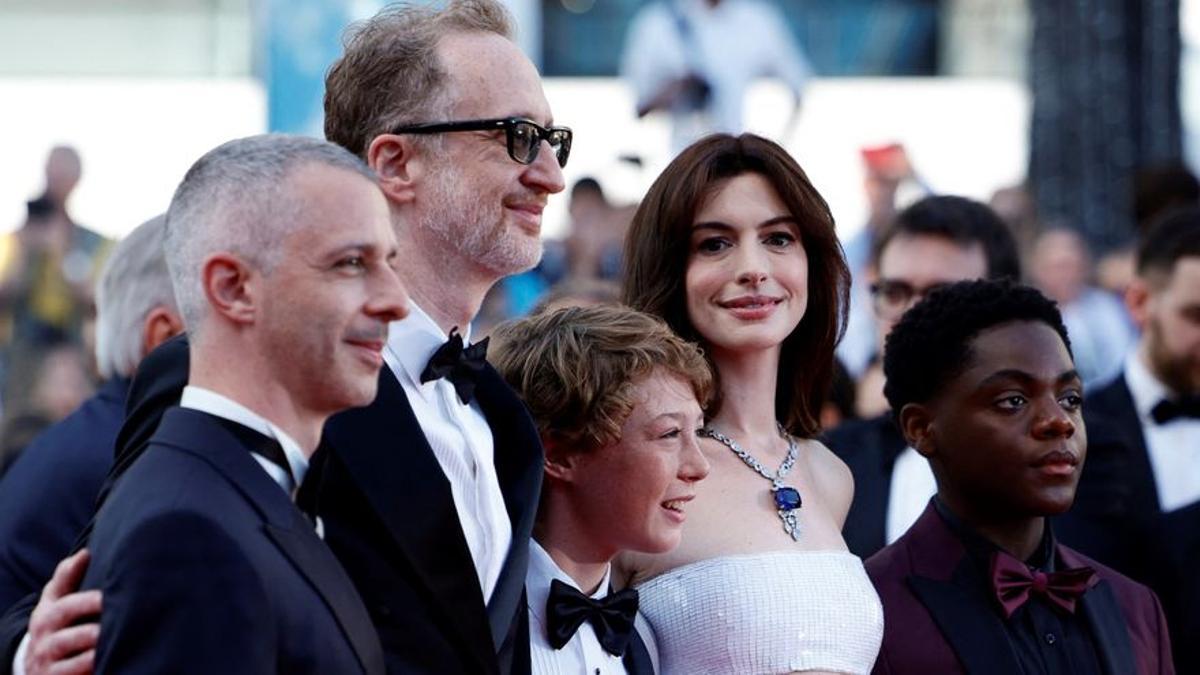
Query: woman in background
736	250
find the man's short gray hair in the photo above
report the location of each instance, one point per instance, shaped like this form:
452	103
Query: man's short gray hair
236	199
133	283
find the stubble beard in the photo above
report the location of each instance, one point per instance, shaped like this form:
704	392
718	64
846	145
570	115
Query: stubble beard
1178	373
470	228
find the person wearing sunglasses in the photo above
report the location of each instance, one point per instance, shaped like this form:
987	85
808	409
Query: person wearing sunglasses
428	495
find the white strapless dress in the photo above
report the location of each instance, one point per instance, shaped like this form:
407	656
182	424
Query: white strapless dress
765	613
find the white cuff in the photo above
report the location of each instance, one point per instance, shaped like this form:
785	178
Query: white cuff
18	664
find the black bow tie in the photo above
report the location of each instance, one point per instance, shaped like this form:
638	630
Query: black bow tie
458	365
611	617
1166	410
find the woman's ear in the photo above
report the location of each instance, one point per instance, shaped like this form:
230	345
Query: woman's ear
398	165
916	424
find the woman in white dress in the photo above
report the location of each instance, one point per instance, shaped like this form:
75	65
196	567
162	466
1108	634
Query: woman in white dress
735	249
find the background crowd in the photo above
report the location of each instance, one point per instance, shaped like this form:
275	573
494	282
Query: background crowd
78	311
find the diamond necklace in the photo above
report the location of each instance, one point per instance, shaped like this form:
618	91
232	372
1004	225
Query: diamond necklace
787	498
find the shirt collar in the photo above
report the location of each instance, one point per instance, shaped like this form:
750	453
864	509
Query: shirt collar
542	571
981	549
413	340
1144	387
206	400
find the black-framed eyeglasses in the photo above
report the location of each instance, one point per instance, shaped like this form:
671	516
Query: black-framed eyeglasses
524	136
891	298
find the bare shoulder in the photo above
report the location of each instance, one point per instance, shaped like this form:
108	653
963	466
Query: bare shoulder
833	476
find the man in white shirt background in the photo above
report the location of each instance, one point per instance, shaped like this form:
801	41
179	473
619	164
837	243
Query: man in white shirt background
1142	477
697	58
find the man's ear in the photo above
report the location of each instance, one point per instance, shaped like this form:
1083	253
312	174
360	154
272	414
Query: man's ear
161	324
560	463
227	282
1137	301
916	424
398	165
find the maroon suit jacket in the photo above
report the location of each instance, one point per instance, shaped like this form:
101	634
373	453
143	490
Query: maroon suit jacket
936	620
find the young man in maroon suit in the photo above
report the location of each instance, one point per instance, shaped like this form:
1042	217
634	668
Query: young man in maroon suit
981	379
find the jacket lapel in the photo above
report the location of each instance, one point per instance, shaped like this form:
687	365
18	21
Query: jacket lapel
285	525
317	564
1113	408
391	462
637	658
942	581
1104	618
518	457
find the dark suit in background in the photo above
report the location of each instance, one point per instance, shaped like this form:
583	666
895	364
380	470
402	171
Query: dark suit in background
937	619
49	493
1118	520
208	567
869	448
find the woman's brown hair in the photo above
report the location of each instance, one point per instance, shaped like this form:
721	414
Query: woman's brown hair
657	250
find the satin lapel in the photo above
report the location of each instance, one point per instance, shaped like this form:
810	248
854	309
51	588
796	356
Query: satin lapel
966	617
316	562
207	437
518	459
1102	612
969	624
389	458
1115	405
637	657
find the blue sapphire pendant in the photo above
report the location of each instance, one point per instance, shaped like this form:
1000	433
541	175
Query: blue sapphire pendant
787	501
787	498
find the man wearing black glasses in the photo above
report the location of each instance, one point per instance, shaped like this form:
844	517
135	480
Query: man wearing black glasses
934	242
427	496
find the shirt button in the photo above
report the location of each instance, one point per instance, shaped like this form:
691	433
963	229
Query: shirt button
1050	639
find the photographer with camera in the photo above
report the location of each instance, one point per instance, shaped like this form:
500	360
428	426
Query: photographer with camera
696	58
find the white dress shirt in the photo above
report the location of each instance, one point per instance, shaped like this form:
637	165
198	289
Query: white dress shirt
583	654
208	401
461	441
911	487
1174	447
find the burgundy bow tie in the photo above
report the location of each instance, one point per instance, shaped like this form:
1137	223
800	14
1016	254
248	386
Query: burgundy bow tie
1013	582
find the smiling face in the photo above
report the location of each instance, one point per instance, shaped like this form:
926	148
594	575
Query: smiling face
1006	437
747	273
632	495
477	201
330	297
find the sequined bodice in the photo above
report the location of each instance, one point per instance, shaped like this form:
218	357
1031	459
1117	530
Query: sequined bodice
765	613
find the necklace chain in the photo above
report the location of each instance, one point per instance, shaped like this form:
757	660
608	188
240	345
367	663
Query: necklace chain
776	478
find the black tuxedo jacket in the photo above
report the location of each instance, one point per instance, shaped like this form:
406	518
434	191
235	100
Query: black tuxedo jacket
869	448
396	532
1116	505
207	567
390	517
